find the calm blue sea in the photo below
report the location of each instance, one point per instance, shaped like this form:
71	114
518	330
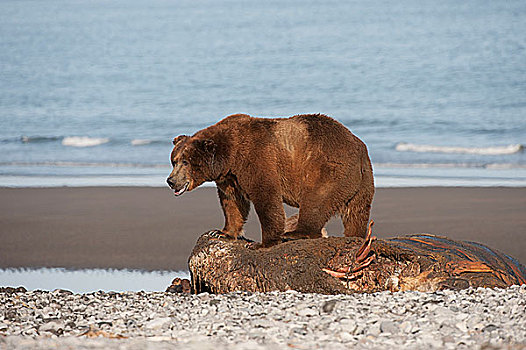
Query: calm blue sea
93	92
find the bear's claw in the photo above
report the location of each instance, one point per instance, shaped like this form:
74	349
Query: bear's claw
221	235
217	234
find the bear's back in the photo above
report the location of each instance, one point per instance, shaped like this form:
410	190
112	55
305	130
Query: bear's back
320	126
298	133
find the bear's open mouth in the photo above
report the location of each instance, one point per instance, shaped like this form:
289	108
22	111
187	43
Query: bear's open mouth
182	190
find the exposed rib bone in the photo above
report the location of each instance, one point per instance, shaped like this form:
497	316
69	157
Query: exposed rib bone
361	258
365	263
364	250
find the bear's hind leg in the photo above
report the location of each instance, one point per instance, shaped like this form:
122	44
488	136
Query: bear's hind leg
310	222
355	214
272	219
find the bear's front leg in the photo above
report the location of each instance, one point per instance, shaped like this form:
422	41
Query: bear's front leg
235	209
272	219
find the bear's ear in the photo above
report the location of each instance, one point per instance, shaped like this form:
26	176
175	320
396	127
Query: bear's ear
205	146
179	139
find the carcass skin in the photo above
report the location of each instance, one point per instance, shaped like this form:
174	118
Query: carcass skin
344	265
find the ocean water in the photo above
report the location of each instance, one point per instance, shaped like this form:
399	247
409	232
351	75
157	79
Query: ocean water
90	280
93	92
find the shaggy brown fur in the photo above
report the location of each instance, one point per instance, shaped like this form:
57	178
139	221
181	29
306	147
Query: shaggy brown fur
310	162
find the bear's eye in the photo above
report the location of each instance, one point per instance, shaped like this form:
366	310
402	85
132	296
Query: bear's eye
185	163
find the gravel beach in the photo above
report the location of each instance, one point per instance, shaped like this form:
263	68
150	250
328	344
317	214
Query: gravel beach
467	319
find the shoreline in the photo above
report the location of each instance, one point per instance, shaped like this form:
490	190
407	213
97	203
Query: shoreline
146	228
387	175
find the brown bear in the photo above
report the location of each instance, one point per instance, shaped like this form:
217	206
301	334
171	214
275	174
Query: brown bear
311	162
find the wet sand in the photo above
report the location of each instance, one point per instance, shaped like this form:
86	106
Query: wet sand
147	228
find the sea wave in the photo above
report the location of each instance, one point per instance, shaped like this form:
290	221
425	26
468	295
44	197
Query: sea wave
36	139
494	150
140	142
84	141
86	164
495	166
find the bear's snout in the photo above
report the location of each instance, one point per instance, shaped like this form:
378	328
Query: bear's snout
178	188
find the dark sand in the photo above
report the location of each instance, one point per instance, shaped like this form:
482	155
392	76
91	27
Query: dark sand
147	228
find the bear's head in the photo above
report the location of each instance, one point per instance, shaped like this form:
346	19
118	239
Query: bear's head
192	160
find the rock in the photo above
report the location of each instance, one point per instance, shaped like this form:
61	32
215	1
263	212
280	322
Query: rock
11	314
11	290
474	321
345	336
374	329
388	327
461	316
406	327
429	341
462	326
55	327
101	323
31	331
158	323
490	328
159	338
179	286
348	325
62	291
262	323
443	311
329	306
307	312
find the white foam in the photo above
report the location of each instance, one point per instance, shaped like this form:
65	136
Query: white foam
140	142
495	150
84	141
450	165
465	175
394	181
427	165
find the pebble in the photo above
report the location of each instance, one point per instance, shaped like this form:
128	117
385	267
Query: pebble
329	306
55	327
389	327
475	319
158	323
